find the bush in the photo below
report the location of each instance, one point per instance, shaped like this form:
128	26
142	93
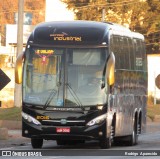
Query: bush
13	114
150	100
2	60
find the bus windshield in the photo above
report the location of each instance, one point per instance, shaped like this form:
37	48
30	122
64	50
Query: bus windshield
64	77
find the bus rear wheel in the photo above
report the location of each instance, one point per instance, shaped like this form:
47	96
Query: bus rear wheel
133	138
36	143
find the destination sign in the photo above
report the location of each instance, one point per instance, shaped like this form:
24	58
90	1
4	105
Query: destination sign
44	51
4	79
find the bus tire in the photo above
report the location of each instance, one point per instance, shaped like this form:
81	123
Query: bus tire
106	143
133	138
36	143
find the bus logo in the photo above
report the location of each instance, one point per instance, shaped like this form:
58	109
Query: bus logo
65	37
43	117
63	121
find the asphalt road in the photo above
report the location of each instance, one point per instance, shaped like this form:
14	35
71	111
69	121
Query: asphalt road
149	145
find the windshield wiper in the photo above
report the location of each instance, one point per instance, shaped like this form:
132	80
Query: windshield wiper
73	93
49	99
53	91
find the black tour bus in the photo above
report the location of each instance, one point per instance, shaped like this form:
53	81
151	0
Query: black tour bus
83	80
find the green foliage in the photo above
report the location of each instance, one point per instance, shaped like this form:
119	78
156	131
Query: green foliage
13	113
150	100
140	15
2	60
8	8
153	110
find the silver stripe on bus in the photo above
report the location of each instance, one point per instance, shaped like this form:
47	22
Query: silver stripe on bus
68	121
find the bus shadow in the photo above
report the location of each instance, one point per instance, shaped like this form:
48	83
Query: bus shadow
86	145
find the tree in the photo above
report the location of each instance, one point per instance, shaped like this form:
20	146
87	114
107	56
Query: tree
8	8
118	11
139	15
153	32
37	8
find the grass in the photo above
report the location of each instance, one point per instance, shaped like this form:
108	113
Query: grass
153	110
13	113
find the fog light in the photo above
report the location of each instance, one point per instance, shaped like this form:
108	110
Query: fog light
100	133
26	131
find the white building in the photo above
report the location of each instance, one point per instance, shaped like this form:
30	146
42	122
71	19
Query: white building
153	72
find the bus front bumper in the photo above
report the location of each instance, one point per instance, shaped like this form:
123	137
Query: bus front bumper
95	132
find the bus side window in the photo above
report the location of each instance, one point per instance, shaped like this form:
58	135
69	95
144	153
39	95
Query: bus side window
144	57
138	54
111	44
132	58
126	53
122	53
116	51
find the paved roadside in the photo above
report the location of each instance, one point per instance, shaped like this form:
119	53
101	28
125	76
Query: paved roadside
15	137
14	134
152	127
11	125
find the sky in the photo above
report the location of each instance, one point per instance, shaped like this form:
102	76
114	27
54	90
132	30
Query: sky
57	11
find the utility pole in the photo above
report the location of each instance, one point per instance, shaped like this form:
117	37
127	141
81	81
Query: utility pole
103	14
155	94
18	89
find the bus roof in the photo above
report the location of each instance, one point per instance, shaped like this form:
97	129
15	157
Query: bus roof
74	33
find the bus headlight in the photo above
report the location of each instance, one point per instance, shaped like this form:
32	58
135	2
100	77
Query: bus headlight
97	120
30	119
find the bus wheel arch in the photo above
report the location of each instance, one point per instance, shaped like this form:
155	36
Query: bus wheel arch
106	142
113	126
139	126
135	127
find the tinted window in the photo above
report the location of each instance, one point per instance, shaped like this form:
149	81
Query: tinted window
138	54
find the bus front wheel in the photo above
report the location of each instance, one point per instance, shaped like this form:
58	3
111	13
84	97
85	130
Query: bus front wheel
106	143
36	143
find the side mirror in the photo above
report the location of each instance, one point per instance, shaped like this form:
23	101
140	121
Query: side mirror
111	70
18	68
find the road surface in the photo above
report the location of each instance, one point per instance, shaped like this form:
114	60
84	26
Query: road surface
149	146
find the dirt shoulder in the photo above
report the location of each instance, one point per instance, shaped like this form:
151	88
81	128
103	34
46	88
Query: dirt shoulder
14	139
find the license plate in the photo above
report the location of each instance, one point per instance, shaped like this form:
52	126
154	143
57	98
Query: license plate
63	130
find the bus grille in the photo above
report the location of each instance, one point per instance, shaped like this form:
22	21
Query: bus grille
64	122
